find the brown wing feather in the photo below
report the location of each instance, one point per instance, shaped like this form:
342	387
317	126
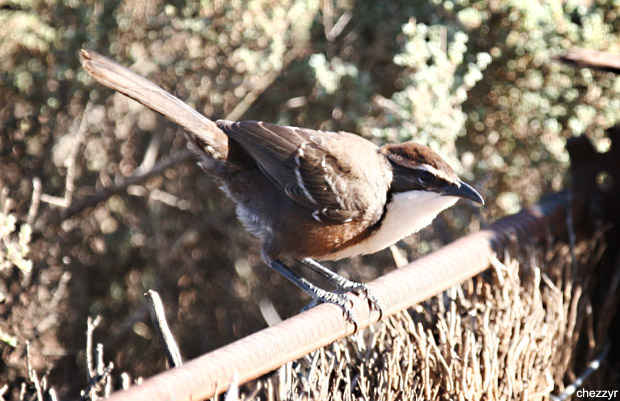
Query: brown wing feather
301	163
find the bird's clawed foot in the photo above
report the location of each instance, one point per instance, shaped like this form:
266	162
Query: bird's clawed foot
342	300
359	289
318	295
338	297
344	285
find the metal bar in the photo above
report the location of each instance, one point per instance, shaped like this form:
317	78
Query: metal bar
272	347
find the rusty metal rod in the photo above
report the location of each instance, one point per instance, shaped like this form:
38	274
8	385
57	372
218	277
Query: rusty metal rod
272	347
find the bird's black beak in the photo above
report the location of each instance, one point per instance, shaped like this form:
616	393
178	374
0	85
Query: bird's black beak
462	190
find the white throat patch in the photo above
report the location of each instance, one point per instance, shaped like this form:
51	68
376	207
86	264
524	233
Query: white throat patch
407	213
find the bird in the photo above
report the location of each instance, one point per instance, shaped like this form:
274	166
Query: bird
309	195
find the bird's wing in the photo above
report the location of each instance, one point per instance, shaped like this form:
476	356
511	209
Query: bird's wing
301	163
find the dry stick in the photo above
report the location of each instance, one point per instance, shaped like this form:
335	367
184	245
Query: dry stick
5	201
233	390
70	164
22	391
140	313
96	371
125	381
150	156
99	359
52	312
103	374
32	374
90	393
36	200
342	22
90	328
158	316
327	7
107	192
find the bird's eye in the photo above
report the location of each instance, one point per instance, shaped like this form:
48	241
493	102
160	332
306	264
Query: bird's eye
425	178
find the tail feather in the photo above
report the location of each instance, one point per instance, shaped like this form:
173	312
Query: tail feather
205	139
207	156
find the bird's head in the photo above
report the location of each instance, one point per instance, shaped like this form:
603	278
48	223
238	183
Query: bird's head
418	168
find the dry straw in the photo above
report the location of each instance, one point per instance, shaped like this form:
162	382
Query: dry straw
511	333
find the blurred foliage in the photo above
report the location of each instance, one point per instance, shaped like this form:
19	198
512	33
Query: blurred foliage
14	243
428	109
473	79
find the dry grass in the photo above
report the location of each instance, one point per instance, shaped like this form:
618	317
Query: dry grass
512	333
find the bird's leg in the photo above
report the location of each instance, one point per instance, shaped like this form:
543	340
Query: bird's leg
318	295
342	284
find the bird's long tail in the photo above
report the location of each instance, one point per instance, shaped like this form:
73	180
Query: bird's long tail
205	138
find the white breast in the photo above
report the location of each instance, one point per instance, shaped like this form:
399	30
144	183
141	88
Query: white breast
407	213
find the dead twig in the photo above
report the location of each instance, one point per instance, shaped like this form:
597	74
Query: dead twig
103	379
158	316
159	167
52	316
32	374
36	200
70	164
98	375
91	325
